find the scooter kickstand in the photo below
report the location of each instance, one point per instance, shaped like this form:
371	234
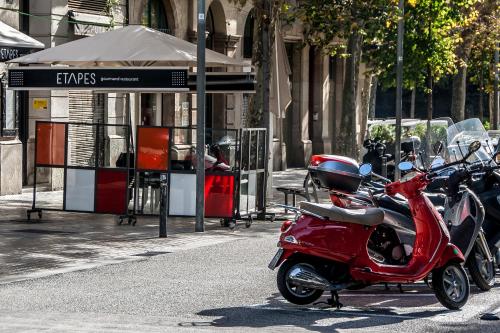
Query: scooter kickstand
334	301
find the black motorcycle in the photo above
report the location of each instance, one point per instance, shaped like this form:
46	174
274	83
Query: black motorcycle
382	162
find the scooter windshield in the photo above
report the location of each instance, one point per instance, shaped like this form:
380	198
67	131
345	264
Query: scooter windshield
462	134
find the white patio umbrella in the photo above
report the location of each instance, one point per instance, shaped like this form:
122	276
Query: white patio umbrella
10	37
128	46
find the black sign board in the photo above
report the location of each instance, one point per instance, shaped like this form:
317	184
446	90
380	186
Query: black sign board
219	82
109	79
8	53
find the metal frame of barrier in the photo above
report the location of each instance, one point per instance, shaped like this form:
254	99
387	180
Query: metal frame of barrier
154	156
90	181
253	174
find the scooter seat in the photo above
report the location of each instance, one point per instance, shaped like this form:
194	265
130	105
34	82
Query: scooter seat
368	216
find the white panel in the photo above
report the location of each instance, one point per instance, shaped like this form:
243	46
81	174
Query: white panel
182	195
80	186
252	192
243	194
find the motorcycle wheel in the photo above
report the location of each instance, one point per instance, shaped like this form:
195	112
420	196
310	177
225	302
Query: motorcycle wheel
451	285
295	294
496	257
481	270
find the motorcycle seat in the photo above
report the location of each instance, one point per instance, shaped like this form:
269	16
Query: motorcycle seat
399	206
368	216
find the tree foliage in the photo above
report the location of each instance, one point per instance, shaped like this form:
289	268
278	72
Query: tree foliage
486	31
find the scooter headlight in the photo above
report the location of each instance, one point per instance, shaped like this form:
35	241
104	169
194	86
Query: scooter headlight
291	239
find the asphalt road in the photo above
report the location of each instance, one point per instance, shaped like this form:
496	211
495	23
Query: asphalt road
220	287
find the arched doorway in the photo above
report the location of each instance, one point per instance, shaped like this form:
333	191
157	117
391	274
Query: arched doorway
216	41
248	35
158	14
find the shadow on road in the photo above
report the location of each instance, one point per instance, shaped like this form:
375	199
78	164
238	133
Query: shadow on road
279	313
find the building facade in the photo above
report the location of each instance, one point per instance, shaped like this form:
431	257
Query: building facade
309	125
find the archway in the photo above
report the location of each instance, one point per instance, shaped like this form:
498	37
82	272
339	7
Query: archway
248	35
158	109
159	15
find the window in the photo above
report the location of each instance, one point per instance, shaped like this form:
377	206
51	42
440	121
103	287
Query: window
98	7
154	16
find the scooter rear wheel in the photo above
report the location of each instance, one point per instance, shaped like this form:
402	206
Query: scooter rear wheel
295	294
451	285
481	270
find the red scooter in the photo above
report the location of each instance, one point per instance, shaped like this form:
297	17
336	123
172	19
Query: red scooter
328	248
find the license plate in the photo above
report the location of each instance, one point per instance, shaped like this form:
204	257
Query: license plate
274	262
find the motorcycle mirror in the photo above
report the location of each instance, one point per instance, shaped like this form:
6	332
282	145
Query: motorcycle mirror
437	148
405	166
365	169
437	162
473	147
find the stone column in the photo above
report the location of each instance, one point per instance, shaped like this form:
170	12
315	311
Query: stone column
11	171
306	149
321	106
51	32
338	82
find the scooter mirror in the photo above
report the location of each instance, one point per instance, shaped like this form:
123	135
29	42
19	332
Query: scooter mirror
405	166
365	169
437	148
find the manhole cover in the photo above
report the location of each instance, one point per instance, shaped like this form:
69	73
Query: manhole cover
44	232
151	254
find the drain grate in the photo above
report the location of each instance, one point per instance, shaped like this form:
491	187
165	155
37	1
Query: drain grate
44	232
151	254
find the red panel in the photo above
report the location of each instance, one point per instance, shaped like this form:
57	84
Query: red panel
50	139
111	192
219	195
152	148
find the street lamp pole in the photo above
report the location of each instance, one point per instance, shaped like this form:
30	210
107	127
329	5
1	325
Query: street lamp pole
399	88
200	120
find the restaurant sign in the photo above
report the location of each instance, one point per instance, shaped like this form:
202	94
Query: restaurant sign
9	53
108	79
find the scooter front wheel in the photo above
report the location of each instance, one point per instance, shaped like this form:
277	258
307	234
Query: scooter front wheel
295	294
451	285
482	271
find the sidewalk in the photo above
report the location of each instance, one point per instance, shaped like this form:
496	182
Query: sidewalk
64	241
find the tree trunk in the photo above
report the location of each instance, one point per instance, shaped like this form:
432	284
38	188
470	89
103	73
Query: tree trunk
490	107
458	94
496	106
430	111
373	96
347	136
481	95
413	98
365	104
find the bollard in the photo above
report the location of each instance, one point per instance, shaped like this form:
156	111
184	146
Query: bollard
163	205
384	167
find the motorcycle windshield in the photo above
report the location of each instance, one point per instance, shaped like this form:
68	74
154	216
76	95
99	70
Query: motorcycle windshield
430	139
462	134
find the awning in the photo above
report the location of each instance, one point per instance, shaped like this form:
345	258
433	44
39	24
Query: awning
128	46
281	90
14	43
